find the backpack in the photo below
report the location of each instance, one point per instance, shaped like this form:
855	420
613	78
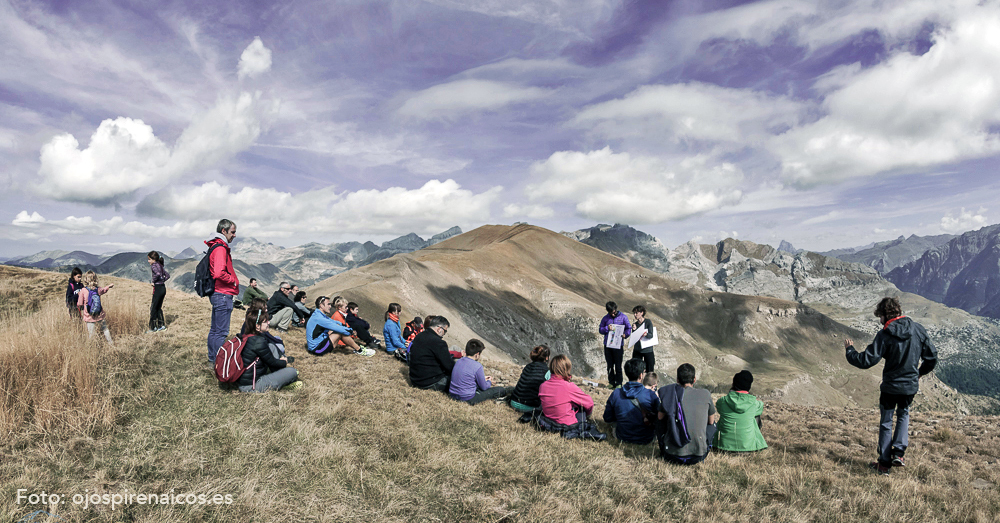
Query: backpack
94	303
229	361
674	426
204	283
647	419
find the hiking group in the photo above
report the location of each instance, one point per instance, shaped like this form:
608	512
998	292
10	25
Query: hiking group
684	421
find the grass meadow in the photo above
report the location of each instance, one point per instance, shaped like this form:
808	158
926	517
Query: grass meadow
145	416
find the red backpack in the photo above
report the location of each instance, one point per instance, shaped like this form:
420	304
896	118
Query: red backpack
229	361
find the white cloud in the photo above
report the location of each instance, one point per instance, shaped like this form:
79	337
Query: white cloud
618	187
964	222
35	226
462	97
695	110
434	206
124	155
575	16
908	111
255	60
533	212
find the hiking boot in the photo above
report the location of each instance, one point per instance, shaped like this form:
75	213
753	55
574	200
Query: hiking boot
365	352
295	385
897	461
290	359
878	468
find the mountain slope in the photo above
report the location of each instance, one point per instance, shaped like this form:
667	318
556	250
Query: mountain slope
516	287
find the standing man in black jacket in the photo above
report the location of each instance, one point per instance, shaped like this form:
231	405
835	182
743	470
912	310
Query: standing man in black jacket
902	343
430	361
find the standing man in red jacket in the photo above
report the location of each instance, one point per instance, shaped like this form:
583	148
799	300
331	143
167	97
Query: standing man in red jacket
227	285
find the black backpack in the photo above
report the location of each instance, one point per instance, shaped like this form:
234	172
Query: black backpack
204	283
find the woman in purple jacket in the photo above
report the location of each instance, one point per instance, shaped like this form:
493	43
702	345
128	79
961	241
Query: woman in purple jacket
160	277
615	338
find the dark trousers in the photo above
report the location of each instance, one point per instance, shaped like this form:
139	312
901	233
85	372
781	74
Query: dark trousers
491	393
440	385
648	357
614	359
156	307
364	336
892	443
688	460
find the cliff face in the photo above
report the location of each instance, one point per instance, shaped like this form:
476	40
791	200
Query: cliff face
964	273
886	256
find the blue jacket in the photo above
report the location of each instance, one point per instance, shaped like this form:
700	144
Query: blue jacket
393	336
317	326
628	417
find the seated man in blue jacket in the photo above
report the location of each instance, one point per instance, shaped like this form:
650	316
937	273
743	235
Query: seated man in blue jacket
633	407
322	332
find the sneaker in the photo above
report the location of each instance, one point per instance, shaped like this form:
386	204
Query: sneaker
163	328
897	461
295	385
365	352
878	468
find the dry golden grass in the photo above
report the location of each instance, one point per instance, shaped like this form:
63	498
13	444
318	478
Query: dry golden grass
357	444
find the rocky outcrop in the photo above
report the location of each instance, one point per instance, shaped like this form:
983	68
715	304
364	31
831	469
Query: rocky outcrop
964	273
886	256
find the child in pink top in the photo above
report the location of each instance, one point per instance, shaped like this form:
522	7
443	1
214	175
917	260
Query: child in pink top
562	401
90	286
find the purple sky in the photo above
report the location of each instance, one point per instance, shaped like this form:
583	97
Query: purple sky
827	125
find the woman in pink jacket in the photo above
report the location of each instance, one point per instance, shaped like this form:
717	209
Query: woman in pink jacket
562	401
92	317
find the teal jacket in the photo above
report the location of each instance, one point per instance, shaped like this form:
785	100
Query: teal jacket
738	430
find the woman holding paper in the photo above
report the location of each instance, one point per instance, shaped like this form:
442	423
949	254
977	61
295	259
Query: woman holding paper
643	329
616	329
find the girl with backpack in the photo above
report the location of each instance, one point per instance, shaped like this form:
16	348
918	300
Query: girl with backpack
73	292
89	304
159	280
264	368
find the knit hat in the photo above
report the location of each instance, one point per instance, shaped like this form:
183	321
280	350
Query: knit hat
743	380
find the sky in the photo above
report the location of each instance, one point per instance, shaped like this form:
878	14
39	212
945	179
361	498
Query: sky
138	125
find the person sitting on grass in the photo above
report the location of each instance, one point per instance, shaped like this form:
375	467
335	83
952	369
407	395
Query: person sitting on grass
361	327
651	381
410	331
469	382
269	372
394	342
430	362
633	408
322	332
562	401
91	309
689	442
739	417
252	293
455	354
302	312
525	395
280	308
351	342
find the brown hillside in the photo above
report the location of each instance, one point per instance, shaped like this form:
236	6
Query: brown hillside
517	286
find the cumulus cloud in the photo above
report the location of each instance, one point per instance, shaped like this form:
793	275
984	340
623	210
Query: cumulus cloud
692	111
430	208
533	212
255	60
35	226
462	97
618	187
964	222
125	155
908	111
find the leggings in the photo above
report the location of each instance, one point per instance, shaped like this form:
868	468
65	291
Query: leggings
156	307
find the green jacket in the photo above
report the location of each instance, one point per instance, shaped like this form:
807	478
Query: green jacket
738	430
251	293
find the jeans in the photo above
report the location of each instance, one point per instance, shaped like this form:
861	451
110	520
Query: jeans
491	393
614	359
648	357
222	311
440	385
892	443
272	381
156	307
689	460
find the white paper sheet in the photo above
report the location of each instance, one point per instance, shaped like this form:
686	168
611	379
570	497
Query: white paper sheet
634	338
650	342
615	334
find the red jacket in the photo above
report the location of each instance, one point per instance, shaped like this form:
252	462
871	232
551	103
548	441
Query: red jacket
220	266
561	399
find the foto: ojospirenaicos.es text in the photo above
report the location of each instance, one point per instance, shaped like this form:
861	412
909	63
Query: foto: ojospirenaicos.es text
92	499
